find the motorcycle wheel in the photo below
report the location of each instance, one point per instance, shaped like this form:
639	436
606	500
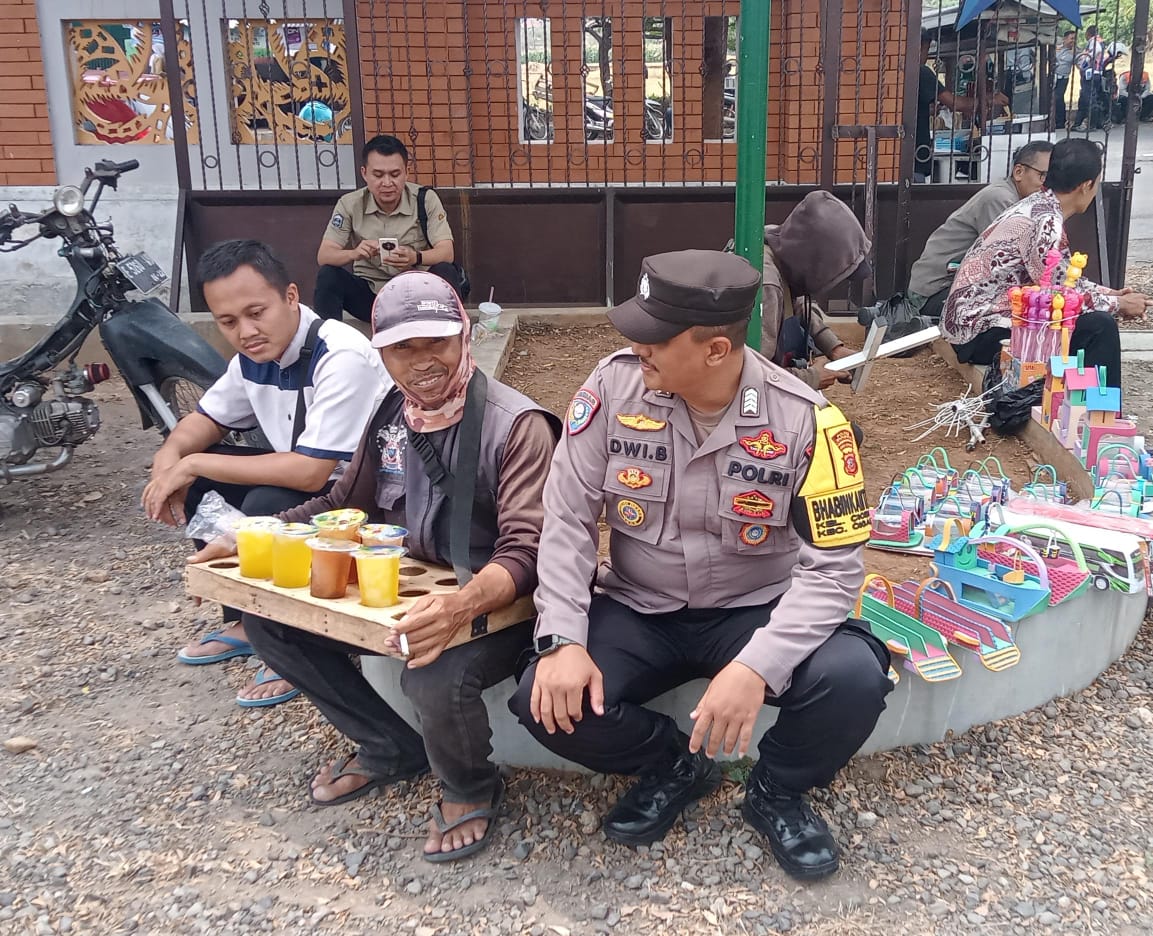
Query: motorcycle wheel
535	125
182	393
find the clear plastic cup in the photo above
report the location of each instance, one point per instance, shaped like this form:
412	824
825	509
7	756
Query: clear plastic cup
489	316
341	524
254	537
291	557
331	562
382	534
378	568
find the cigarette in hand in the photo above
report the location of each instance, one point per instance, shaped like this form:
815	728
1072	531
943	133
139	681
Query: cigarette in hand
404	645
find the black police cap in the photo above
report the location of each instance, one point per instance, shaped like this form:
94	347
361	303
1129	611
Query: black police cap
685	288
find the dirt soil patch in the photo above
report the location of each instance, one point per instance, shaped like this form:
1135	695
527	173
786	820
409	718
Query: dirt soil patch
549	364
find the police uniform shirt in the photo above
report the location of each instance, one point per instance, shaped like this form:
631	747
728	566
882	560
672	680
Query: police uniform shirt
770	505
357	217
342	389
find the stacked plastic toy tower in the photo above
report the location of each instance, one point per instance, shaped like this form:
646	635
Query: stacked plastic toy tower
1042	319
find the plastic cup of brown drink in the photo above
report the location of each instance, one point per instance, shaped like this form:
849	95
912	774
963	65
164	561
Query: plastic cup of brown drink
342	524
331	561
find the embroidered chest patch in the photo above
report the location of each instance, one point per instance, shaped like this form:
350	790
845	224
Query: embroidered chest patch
754	504
393	441
753	534
763	445
634	478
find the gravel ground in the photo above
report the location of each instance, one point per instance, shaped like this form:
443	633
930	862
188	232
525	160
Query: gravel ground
153	804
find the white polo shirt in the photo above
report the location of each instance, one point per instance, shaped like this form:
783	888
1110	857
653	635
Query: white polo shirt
342	390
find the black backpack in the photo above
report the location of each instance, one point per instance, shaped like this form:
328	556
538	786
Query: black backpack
422	217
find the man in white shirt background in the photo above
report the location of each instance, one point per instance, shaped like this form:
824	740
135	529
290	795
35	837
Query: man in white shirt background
311	407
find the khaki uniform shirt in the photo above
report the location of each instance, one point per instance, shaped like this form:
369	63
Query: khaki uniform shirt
357	217
714	525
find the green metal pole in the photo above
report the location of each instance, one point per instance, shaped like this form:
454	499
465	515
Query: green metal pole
752	120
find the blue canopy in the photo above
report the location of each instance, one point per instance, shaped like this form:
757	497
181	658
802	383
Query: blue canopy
971	9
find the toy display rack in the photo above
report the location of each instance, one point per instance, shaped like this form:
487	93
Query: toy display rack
344	619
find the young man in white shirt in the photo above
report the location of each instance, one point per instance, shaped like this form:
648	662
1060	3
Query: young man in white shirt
258	310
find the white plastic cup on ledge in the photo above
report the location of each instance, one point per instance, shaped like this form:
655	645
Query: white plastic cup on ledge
489	320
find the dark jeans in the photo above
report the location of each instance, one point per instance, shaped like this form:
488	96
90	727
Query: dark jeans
837	693
1096	334
1060	115
1122	103
446	696
338	291
935	305
254	501
1093	103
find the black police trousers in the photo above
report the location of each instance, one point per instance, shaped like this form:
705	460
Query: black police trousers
837	693
338	291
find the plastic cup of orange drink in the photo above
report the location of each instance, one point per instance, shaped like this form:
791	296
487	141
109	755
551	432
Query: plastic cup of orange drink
291	557
382	534
331	560
378	568
254	537
339	524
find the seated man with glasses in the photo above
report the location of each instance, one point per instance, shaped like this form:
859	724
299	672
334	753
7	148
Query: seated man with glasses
931	276
1014	251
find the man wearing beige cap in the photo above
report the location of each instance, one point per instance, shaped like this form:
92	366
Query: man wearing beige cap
737	512
460	461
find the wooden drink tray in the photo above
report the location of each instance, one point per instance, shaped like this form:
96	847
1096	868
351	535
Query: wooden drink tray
344	619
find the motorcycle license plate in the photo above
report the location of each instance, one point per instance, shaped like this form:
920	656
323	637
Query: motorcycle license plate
142	272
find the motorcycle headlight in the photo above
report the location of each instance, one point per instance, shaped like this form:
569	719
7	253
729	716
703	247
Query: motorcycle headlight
69	201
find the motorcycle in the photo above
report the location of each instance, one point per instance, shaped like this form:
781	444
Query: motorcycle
165	364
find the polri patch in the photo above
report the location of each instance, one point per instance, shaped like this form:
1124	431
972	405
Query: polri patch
763	445
338	221
635	478
632	513
640	422
754	504
753	534
846	443
581	410
750	401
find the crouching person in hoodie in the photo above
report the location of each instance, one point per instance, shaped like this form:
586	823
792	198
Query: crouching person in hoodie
820	246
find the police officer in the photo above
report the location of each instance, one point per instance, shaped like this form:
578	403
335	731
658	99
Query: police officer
737	509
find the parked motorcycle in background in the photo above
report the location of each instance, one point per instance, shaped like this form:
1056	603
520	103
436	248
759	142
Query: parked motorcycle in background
166	365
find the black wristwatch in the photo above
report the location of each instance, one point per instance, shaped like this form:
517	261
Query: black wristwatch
419	259
549	643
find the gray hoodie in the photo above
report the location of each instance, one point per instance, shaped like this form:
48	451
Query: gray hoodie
818	247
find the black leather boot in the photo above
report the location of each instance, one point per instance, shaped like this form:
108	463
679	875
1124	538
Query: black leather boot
647	811
799	838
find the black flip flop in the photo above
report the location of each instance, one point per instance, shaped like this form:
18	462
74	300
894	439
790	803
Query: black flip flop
375	782
443	827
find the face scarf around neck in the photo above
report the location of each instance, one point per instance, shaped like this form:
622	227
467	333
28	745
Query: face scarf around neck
450	410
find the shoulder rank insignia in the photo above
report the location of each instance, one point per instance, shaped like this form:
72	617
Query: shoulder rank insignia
753	534
763	445
640	422
754	504
634	478
632	513
831	509
581	410
750	401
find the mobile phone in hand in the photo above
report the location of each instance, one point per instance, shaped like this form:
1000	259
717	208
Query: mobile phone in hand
387	245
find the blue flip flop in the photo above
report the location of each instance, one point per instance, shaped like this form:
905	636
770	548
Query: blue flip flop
265	675
237	648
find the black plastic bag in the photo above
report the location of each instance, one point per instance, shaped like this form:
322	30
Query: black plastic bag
1010	410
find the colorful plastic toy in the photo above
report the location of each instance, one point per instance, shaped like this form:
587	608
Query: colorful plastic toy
1005	592
924	649
934	604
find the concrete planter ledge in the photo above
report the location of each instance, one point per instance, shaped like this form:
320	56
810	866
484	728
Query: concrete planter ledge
1063	649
